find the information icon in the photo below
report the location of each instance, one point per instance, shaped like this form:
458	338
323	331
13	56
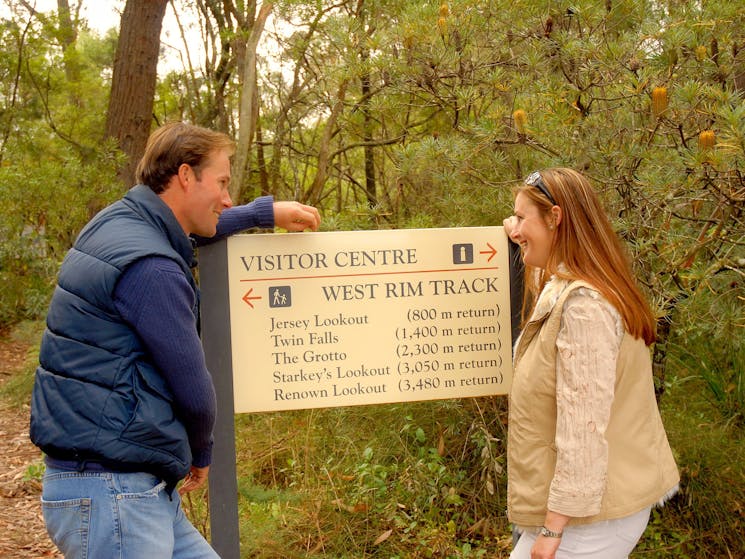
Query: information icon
280	296
463	253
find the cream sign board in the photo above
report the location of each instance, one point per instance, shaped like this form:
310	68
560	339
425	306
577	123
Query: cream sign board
368	317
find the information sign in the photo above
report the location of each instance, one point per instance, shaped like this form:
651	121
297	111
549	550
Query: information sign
368	317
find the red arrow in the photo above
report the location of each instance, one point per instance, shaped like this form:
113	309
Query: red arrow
247	298
491	252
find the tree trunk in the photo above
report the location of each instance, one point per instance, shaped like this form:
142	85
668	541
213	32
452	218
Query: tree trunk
248	113
659	356
367	137
261	161
68	35
313	195
233	20
133	83
286	104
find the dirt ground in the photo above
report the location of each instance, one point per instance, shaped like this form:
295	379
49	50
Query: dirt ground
22	532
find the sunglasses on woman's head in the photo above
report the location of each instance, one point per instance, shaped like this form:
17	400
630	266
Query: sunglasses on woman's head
534	179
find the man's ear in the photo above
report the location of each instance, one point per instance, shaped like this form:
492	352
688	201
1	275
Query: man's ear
185	175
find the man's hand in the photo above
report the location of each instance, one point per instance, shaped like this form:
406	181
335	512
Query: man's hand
195	479
295	216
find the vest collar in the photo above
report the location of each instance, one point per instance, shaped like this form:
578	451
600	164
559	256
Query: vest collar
547	300
154	210
548	297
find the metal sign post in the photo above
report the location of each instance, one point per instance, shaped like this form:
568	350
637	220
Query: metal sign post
262	281
215	330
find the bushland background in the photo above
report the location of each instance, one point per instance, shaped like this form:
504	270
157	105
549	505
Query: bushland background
402	114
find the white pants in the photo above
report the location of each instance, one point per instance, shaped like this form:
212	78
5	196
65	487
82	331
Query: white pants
610	539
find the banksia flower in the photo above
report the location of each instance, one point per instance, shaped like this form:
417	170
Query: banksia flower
521	119
659	100
706	140
701	52
444	10
442	23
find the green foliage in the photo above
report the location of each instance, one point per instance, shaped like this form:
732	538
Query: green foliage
51	155
711	348
663	540
65	193
16	390
423	102
705	518
375	481
34	471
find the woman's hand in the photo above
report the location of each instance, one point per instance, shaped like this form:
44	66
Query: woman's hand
545	548
509	225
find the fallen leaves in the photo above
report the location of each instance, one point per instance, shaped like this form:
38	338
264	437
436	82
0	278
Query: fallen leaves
22	531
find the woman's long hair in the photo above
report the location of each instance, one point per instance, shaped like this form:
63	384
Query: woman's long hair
588	249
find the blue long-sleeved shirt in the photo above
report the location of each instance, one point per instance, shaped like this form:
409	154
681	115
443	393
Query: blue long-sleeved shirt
154	297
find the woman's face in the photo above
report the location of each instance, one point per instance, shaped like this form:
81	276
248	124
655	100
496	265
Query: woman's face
532	232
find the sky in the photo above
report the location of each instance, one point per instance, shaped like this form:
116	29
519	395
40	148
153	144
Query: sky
102	15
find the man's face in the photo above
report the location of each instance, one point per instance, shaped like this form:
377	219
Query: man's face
209	194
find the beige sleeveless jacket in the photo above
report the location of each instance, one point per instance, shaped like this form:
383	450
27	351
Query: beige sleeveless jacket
641	467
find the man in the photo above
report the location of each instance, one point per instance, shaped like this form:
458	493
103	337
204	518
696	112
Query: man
123	405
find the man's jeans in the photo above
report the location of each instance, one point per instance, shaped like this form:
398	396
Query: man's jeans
102	515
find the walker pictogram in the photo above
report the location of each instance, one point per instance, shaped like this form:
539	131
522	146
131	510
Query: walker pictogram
280	296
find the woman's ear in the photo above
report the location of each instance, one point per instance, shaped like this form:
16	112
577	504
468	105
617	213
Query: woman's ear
556	215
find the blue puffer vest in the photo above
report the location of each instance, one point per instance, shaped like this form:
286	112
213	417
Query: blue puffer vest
97	395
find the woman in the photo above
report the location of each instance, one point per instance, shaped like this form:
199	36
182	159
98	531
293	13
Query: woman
587	453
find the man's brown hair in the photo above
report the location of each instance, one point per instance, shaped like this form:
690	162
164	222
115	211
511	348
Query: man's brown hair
174	144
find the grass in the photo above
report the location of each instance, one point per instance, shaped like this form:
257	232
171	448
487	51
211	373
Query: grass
410	480
16	390
706	518
427	479
404	480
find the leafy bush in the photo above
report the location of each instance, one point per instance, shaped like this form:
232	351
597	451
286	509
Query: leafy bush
36	236
17	389
706	517
710	347
378	481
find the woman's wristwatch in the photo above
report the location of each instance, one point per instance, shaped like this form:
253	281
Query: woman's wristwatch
550	533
